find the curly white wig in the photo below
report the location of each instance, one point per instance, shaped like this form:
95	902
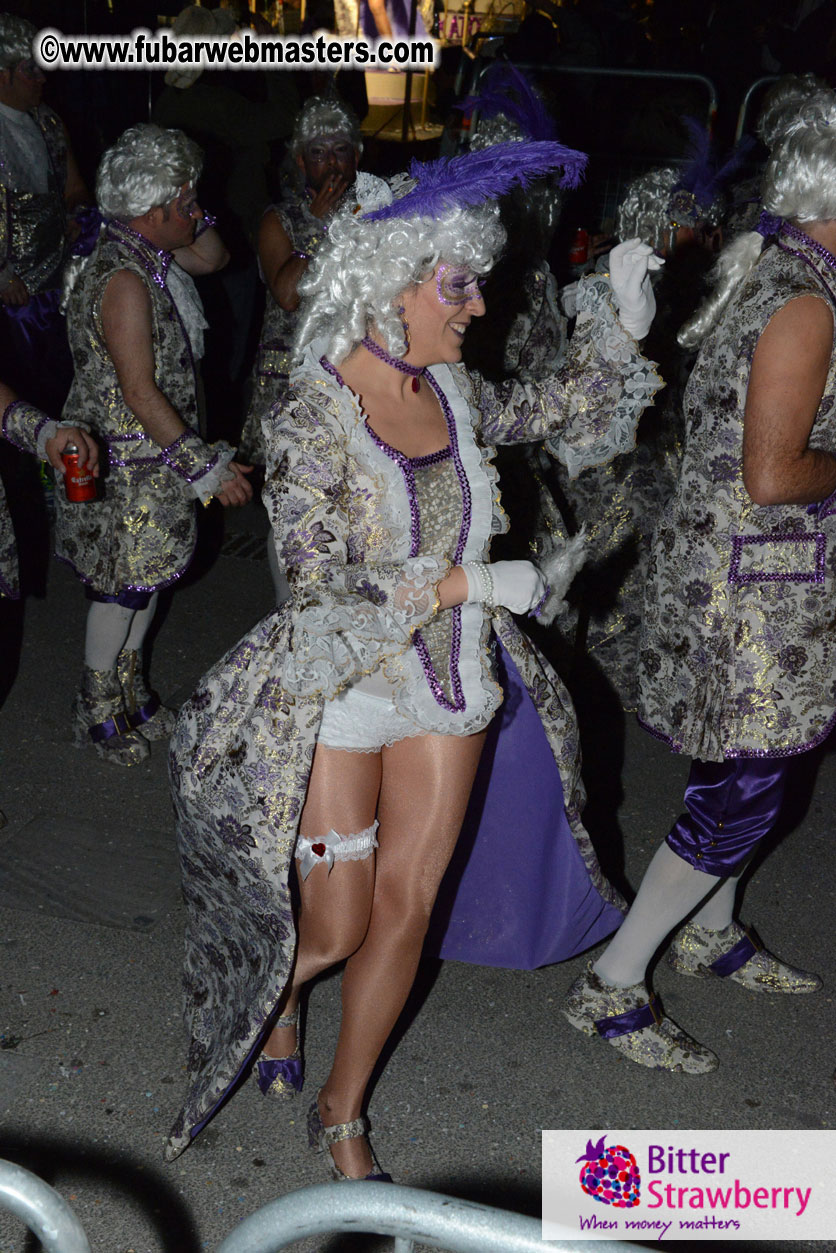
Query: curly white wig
363	267
16	35
799	184
325	115
793	98
645	212
145	168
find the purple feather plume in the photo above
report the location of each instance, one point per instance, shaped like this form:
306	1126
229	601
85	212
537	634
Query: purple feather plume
505	90
701	175
452	182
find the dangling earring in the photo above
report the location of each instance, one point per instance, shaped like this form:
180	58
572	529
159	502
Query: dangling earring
405	325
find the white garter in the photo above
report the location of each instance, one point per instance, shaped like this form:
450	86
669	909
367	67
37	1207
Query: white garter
333	847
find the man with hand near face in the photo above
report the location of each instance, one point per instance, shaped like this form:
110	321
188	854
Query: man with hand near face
326	148
132	327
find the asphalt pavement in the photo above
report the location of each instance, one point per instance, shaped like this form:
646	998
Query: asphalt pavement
91	1036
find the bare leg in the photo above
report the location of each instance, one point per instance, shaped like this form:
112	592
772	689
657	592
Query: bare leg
334	908
425	788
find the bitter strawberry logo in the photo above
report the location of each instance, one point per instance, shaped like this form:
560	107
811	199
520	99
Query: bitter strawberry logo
610	1174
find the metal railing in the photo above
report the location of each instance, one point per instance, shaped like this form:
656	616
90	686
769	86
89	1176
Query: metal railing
408	1214
751	91
39	1206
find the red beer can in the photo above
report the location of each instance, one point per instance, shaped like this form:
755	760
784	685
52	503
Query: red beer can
78	484
579	252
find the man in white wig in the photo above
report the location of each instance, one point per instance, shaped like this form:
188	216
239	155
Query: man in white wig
131	328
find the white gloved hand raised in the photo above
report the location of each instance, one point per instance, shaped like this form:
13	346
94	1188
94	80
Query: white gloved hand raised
630	265
518	585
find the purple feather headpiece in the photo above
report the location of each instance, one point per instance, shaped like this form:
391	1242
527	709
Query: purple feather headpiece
505	91
471	179
702	178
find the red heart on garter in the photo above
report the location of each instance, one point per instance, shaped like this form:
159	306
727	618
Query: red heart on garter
319	849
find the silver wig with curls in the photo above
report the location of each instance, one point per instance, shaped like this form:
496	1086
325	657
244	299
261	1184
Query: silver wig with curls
646	213
144	169
16	35
799	184
363	267
791	99
321	116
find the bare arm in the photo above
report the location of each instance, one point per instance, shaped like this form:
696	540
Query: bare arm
206	255
786	385
126	323
282	270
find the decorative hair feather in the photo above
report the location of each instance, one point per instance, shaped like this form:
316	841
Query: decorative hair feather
701	175
471	179
504	90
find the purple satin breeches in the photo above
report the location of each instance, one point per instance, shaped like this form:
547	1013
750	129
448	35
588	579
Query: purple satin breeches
731	806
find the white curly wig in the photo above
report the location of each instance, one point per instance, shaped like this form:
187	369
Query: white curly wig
145	168
363	267
16	35
324	115
799	184
793	98
645	212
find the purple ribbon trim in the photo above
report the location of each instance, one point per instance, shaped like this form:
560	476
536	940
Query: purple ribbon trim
728	963
632	1020
269	1069
769	224
145	713
119	724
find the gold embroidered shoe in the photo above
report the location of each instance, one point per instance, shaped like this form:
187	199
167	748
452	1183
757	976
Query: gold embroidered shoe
147	713
100	719
736	953
634	1024
282	1077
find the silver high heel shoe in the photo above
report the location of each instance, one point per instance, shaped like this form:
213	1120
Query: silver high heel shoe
321	1137
282	1077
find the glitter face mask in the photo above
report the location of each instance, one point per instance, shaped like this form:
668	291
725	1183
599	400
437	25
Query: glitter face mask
456	284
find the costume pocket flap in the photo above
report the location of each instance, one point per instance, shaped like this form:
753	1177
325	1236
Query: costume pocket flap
791	558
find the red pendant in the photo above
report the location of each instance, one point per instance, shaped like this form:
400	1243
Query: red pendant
415	384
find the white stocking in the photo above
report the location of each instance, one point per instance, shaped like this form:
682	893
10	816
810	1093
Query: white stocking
716	913
669	891
107	630
141	622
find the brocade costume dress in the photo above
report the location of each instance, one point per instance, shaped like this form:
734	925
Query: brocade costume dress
271	372
139	535
738	654
22	426
366	535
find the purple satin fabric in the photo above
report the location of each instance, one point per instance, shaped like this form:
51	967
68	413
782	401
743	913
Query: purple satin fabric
269	1069
37	316
90	221
731	806
727	963
517	893
631	1020
127	598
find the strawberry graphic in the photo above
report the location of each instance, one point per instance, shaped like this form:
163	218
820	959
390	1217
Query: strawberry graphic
610	1175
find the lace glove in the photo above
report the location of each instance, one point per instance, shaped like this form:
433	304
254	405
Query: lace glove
518	585
202	467
630	265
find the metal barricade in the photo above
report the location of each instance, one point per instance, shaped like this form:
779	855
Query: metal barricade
408	1214
45	1212
751	92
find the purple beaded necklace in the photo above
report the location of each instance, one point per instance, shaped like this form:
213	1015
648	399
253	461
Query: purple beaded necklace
395	362
794	232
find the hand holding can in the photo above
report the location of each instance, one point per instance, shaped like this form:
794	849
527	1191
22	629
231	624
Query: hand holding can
79	484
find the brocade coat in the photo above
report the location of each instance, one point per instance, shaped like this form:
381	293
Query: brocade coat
139	535
738	651
33	224
22	424
363	593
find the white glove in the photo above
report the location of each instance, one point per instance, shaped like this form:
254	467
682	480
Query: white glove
630	266
518	585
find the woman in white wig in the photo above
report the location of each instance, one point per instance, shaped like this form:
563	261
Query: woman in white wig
346	729
737	663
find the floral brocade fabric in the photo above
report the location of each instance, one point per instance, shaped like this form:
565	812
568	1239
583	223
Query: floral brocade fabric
737	653
140	532
33	224
363	561
21	425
